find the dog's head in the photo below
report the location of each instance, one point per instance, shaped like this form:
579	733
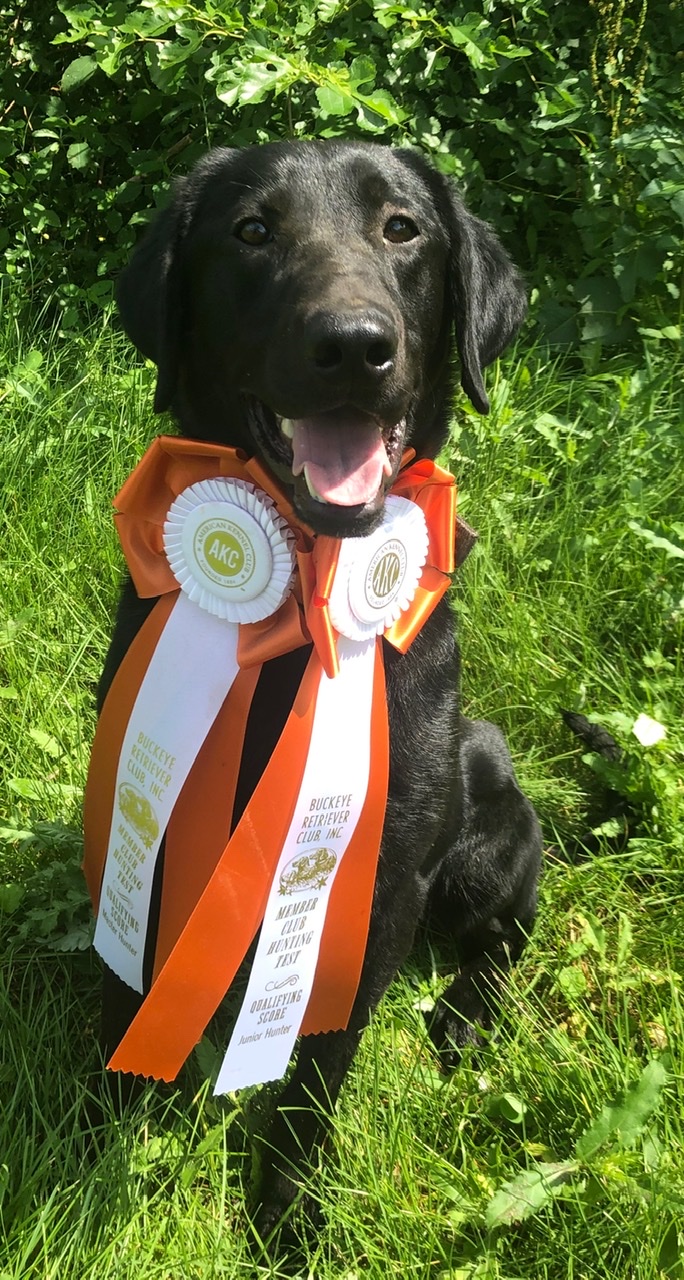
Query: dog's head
301	301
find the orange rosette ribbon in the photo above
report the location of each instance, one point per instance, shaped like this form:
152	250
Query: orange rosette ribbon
216	883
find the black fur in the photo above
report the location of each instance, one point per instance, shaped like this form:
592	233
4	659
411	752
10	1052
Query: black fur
241	334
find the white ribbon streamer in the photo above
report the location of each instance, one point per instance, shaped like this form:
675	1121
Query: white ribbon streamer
323	824
163	737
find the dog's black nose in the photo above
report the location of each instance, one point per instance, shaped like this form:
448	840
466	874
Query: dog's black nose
351	344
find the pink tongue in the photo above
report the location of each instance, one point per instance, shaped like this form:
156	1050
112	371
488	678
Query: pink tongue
344	462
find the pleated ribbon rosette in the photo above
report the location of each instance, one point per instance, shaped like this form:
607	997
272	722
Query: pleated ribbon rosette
240	581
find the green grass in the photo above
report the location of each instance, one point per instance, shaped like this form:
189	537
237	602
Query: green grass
568	601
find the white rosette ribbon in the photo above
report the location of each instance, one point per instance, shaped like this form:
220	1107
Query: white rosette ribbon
377	576
233	557
229	550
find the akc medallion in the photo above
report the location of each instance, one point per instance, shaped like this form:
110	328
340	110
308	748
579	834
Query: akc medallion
377	576
229	550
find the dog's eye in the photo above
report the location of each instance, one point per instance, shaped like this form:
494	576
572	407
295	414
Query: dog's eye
253	231
400	230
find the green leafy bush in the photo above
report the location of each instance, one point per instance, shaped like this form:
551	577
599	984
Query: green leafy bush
49	907
561	121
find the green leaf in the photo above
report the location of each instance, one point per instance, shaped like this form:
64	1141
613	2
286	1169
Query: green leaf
24	787
625	1121
78	938
252	77
46	742
211	1144
671	331
528	1193
509	1106
548	426
77	73
642	263
378	109
334	101
655	540
625	940
600	316
11	896
594	934
572	981
362	71
463	37
33	361
327	10
79	155
15	834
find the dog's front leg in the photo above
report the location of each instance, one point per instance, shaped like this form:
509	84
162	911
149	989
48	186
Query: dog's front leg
300	1126
485	891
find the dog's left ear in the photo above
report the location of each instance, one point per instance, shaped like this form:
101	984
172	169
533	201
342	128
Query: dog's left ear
488	296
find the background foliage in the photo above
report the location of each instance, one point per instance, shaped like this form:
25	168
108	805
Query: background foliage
561	120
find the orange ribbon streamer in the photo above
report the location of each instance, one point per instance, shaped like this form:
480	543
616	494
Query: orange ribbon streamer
213	902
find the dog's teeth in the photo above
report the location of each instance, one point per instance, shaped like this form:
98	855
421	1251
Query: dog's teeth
287	427
316	496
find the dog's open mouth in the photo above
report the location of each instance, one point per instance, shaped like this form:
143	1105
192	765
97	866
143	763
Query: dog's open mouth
343	458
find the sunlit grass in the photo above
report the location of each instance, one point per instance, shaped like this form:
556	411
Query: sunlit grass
562	604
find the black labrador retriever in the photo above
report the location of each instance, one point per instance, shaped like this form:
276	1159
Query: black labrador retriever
302	302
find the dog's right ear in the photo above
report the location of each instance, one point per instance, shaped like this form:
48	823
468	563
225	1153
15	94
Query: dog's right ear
150	290
149	293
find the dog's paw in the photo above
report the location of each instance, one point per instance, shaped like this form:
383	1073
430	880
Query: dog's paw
285	1217
274	1230
452	1033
